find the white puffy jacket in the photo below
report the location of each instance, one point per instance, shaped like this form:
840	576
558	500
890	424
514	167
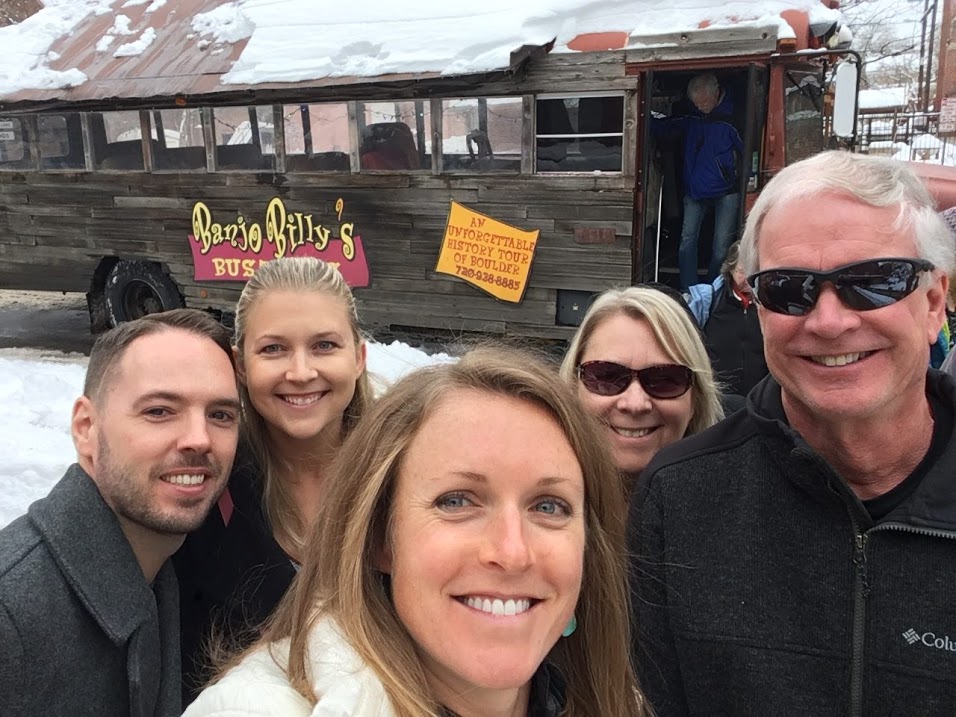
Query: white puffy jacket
258	687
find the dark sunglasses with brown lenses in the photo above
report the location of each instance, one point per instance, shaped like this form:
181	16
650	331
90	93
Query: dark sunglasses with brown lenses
606	378
861	286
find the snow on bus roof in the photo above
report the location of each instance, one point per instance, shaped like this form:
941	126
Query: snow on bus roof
119	47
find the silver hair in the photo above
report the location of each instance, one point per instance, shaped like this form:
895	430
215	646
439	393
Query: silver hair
674	330
877	182
705	85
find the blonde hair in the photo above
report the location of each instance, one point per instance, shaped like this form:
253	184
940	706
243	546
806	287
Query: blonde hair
674	331
338	578
299	274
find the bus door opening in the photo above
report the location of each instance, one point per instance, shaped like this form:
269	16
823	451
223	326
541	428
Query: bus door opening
697	162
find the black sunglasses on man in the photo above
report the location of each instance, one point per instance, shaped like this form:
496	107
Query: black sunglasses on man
860	285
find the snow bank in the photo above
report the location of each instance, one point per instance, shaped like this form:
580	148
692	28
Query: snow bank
35	441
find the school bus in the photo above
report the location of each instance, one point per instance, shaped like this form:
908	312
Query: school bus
151	191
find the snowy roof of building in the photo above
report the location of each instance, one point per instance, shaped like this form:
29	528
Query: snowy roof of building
78	50
888	98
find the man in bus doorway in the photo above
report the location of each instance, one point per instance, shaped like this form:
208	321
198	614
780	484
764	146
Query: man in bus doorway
712	149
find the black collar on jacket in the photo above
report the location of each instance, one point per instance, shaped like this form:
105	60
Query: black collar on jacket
932	506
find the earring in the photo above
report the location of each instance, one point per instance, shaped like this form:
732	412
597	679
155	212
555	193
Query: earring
572	626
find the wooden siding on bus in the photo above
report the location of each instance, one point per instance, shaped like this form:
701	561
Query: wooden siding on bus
55	227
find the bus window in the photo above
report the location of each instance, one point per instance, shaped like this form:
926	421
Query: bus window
579	134
245	138
14	152
316	137
178	137
482	135
60	141
395	136
117	140
804	114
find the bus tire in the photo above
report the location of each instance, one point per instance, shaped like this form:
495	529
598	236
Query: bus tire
136	288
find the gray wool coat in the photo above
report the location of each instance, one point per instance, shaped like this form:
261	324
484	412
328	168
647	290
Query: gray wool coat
81	631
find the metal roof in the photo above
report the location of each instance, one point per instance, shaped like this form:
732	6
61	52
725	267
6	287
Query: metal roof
12	11
172	65
175	64
180	64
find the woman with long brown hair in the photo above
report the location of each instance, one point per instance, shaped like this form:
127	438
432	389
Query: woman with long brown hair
468	560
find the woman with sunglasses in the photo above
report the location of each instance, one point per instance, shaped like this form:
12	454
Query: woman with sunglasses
640	367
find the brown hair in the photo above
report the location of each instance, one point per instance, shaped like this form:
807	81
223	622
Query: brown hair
292	274
109	348
338	578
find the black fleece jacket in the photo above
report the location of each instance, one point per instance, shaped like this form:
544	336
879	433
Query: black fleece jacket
232	575
762	586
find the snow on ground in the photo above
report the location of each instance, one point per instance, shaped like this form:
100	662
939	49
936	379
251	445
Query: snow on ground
37	397
37	392
922	148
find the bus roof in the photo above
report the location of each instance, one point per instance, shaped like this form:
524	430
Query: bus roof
96	50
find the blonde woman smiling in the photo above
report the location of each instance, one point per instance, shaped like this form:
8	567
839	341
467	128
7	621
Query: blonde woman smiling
300	359
640	367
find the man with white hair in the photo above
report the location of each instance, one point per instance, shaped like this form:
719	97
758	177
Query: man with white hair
712	149
798	558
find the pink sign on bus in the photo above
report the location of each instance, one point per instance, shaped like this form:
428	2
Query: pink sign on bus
233	252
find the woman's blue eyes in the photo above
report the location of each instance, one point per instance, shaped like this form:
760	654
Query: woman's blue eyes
452	501
547	506
319	345
553	506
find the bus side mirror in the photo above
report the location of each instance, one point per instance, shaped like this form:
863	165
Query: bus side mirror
844	100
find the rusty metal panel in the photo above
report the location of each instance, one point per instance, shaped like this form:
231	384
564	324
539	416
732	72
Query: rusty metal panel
12	11
172	64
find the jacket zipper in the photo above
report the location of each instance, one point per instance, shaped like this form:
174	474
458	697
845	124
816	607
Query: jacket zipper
860	594
861	590
928	532
861	584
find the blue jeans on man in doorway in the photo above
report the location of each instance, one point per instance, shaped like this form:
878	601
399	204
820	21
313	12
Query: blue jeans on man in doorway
725	224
